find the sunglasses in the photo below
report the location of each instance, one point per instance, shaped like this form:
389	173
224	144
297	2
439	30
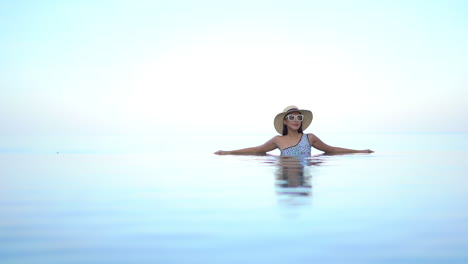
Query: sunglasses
295	117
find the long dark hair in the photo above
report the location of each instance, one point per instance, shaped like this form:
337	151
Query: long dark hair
285	129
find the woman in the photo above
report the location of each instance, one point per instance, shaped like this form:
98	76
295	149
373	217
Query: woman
293	142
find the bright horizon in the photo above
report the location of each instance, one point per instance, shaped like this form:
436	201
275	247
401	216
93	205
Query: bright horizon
141	68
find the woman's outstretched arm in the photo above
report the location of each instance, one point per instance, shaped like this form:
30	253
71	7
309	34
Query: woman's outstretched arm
260	150
320	145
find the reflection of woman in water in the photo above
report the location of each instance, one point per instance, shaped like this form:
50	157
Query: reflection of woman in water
291	123
294	179
291	174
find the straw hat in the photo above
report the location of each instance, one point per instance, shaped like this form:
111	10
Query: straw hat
278	122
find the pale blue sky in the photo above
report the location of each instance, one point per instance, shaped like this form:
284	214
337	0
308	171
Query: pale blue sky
142	67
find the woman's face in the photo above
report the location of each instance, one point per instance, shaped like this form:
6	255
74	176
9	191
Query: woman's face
292	120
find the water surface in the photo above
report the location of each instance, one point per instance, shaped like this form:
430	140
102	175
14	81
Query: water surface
406	203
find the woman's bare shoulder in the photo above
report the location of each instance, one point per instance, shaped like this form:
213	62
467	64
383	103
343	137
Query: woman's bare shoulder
277	138
312	137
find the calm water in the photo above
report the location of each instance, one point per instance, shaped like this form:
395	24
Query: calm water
406	203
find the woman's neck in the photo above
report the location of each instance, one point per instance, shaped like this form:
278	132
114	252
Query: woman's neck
293	133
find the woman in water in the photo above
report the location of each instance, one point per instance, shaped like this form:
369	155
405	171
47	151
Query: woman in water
293	142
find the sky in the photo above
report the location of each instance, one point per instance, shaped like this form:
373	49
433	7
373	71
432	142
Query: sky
146	69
